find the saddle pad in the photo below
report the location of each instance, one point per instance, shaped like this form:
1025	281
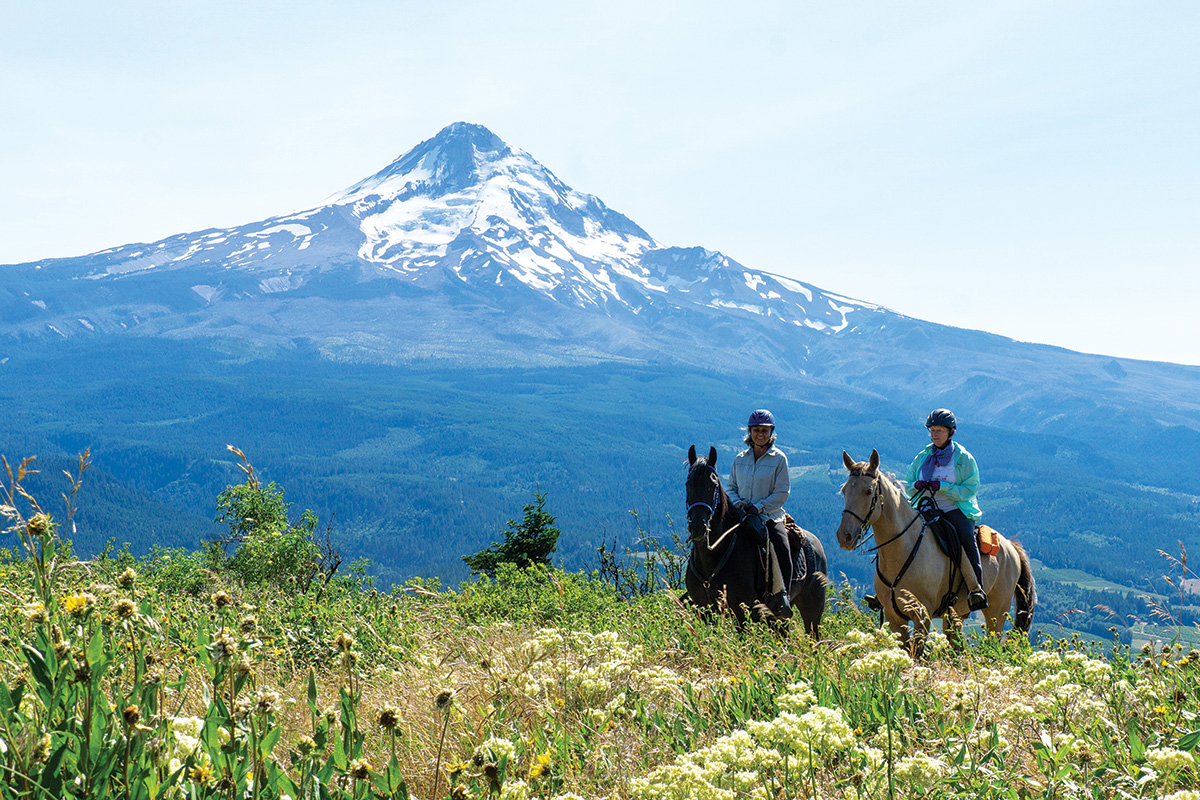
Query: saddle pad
989	541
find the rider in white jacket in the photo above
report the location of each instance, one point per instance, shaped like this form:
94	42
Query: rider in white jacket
759	485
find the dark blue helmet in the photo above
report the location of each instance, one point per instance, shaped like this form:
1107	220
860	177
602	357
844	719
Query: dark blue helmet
943	417
761	417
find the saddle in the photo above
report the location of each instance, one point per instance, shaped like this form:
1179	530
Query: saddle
943	532
803	559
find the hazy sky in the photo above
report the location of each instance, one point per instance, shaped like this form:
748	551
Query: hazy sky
1026	168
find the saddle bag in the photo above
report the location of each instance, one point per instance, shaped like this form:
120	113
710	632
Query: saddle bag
989	540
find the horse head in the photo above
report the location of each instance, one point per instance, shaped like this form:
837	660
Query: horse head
860	493
703	493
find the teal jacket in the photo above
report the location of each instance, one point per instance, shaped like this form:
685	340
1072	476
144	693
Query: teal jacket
966	480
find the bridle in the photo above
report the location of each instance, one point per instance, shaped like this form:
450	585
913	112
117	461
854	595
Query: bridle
712	507
692	565
865	522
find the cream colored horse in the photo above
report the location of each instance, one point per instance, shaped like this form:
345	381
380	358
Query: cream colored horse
909	567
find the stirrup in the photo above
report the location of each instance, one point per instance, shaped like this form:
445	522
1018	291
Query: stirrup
977	600
872	602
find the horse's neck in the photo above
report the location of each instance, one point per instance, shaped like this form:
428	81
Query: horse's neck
895	515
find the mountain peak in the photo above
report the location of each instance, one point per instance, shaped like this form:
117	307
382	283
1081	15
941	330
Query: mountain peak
470	132
446	163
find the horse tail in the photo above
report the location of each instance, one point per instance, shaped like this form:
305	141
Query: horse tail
1026	592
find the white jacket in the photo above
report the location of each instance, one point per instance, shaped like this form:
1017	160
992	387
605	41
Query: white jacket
765	482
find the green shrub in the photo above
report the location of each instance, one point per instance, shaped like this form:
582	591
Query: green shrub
533	593
181	571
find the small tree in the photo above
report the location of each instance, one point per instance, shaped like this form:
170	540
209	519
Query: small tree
270	549
530	542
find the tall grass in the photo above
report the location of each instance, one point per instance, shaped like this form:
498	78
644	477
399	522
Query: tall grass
153	678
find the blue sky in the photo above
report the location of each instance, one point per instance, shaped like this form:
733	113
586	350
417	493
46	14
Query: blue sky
1030	169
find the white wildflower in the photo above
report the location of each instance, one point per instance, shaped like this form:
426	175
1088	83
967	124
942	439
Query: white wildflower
1095	670
495	748
821	729
920	770
797	698
1017	711
514	790
879	662
1052	682
1168	759
1043	660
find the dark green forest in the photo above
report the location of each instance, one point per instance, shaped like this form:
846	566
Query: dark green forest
414	467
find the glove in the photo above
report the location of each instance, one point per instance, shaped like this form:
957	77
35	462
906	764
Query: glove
749	508
932	486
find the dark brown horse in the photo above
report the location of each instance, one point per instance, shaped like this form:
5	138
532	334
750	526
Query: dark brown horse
726	568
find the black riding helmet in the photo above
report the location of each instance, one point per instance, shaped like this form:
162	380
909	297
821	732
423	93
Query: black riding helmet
943	417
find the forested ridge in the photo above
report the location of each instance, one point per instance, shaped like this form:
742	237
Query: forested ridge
414	467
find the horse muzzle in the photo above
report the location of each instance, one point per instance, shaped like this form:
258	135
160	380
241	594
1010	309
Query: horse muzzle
849	533
699	531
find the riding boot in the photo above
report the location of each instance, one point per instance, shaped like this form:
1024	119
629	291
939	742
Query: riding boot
872	602
977	600
783	552
780	602
780	605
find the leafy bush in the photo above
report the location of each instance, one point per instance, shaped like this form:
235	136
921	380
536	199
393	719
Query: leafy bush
270	549
178	571
533	593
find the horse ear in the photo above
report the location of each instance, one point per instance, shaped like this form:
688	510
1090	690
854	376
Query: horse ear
848	461
712	456
692	454
874	465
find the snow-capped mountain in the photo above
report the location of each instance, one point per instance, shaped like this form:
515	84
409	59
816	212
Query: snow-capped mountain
462	211
468	250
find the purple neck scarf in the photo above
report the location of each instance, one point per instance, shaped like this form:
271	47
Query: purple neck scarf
938	457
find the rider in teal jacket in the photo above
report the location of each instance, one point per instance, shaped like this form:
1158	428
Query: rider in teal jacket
946	474
966	480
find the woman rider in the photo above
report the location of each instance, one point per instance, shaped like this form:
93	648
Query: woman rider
759	486
948	473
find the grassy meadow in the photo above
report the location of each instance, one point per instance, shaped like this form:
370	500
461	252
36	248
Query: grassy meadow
185	675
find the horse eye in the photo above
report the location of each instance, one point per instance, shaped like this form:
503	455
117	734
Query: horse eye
712	478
